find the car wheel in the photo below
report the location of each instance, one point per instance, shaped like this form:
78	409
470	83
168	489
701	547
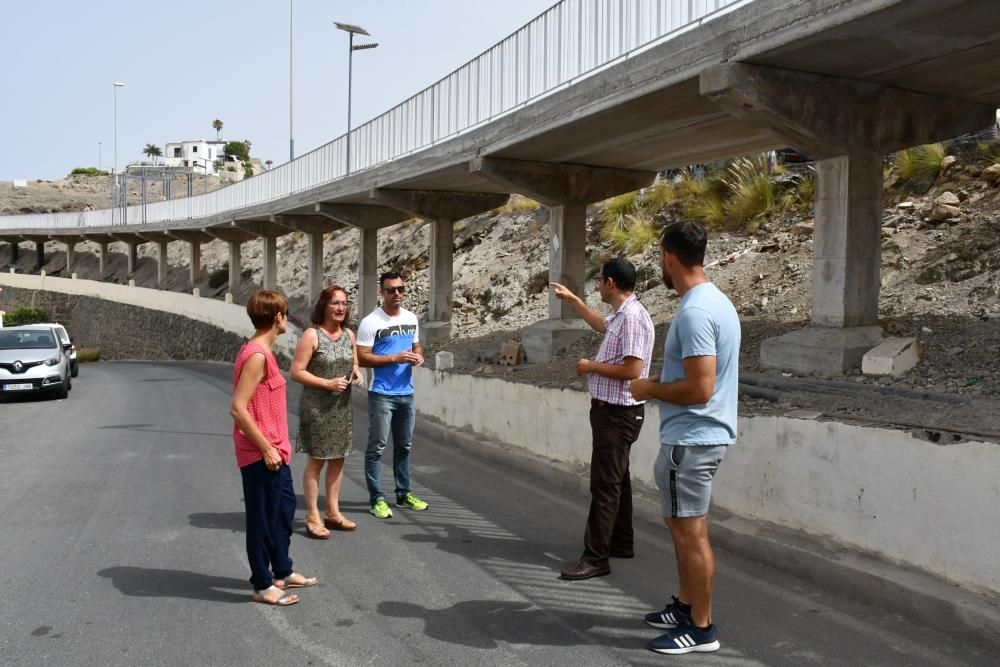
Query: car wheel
69	384
63	390
75	371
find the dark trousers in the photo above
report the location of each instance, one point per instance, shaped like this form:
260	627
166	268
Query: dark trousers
609	525
270	505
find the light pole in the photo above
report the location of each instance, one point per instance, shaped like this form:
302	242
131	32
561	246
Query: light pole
291	114
114	169
351	48
100	162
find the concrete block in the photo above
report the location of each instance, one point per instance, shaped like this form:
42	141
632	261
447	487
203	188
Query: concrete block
229	297
42	273
12	270
828	351
433	334
894	356
543	339
444	361
196	292
73	276
131	283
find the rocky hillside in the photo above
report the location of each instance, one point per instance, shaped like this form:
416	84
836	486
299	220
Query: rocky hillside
940	272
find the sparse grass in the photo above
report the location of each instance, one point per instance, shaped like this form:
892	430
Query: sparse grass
920	163
616	208
800	198
658	196
751	189
989	150
87	355
632	233
709	209
518	204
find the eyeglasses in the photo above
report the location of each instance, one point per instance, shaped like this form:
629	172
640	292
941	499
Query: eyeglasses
394	290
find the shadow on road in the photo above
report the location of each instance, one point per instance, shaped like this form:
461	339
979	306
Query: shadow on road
464	542
234	521
146	582
484	623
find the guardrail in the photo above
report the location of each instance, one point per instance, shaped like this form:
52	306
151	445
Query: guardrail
570	41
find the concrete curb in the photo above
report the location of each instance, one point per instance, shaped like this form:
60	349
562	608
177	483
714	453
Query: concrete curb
906	591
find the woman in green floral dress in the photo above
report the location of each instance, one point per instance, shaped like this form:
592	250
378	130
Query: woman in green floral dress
326	364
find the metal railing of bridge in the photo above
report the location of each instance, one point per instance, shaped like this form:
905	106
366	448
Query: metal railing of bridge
570	41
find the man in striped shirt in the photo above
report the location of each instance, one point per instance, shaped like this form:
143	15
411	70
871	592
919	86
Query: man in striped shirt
615	417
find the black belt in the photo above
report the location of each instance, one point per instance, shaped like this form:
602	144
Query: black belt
596	402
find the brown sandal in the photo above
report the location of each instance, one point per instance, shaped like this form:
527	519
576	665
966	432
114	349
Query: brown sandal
266	596
343	523
315	528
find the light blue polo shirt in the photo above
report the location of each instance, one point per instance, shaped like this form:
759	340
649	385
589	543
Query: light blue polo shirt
706	324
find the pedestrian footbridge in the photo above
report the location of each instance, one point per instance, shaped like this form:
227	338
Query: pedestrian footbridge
590	100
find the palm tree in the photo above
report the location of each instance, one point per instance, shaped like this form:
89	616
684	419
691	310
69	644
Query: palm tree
152	151
217	125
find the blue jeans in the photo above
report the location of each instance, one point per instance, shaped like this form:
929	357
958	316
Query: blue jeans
270	504
387	414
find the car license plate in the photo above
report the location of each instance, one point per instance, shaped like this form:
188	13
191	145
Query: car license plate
20	386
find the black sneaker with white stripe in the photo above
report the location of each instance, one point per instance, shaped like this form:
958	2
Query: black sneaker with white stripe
686	638
671	615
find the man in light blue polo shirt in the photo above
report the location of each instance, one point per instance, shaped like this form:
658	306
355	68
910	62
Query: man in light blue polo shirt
697	391
389	342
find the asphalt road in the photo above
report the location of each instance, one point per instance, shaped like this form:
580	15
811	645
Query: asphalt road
122	534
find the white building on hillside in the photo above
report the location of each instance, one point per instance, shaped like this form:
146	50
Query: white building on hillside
198	154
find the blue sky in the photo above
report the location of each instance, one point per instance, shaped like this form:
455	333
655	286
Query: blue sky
187	62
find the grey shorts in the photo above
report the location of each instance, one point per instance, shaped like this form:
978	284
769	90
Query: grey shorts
684	474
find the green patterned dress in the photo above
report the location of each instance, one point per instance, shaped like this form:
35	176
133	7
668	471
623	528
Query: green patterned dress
325	429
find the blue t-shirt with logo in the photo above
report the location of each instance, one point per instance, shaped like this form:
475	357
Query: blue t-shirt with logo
386	334
706	324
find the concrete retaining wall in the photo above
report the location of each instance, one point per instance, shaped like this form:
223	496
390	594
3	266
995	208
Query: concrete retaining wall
885	492
135	322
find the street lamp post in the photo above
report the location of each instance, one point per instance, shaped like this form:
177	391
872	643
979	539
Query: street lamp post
114	169
291	114
351	48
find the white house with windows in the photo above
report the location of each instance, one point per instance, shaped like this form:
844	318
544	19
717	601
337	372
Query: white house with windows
198	155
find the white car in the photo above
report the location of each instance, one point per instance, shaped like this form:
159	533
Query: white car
33	360
66	339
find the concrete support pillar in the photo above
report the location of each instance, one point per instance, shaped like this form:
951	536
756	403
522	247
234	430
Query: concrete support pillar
848	240
70	257
104	258
567	265
133	257
315	266
195	257
567	254
438	325
368	272
234	265
161	264
270	272
15	251
39	255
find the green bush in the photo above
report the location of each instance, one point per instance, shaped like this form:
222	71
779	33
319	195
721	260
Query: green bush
88	171
87	355
25	315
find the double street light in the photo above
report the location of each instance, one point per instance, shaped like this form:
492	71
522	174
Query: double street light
352	30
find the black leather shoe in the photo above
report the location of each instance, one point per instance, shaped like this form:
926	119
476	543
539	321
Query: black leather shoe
582	570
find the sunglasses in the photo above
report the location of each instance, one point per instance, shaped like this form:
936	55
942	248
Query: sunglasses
394	290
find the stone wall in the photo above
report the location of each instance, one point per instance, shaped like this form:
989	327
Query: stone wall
124	331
